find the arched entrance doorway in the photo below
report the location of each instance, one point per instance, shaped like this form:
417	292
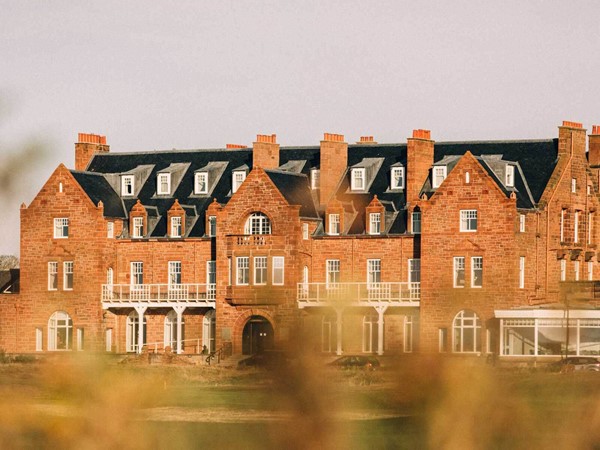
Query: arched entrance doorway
257	335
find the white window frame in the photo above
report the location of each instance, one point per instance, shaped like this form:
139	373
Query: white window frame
334	225
576	267
237	178
60	320
408	334
127	185
212	226
61	228
576	227
242	270
39	340
333	272
467	177
257	223
174	272
138	227
176	223
52	276
439	174
211	279
108	340
476	265
68	275
137	273
590	270
397	178
305	231
563	212
80	339
509	178
563	270
315	179
375	223
468	220
357	180
458	267
278	271
373	273
163	183
415	222
201	178
462	324
110	230
229	271
260	270
414	270
521	223
573	185
521	272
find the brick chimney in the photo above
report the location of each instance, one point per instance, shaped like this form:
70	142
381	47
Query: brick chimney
571	135
367	140
334	161
594	146
235	146
265	152
419	159
87	145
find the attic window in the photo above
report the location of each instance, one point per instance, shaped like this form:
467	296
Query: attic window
201	183
358	179
163	184
127	185
509	180
397	178
315	179
238	178
439	175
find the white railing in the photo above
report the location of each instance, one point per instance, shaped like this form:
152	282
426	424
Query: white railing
115	294
156	347
324	294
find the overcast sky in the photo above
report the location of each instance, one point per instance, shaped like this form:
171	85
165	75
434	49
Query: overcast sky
200	74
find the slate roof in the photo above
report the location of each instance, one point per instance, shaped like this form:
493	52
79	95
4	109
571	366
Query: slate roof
9	281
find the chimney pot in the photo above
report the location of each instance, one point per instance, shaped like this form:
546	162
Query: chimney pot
421	134
235	146
567	123
332	137
596	129
272	139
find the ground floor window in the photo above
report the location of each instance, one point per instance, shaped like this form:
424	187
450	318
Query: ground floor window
209	325
60	331
109	340
369	333
38	340
170	339
328	341
408	334
133	324
466	333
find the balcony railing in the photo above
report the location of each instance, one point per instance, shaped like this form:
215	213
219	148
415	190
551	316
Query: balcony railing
358	294
159	294
245	241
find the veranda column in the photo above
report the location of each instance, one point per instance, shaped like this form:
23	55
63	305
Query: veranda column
140	310
381	311
339	312
179	310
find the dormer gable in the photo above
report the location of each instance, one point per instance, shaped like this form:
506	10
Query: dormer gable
238	176
334	218
169	178
176	224
138	221
375	217
129	184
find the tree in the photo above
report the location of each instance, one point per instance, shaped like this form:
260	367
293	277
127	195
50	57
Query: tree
9	262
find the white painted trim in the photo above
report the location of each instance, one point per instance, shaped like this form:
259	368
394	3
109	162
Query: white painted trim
546	314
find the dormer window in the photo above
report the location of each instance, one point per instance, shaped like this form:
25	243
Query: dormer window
334	224
138	227
238	178
176	226
358	179
509	180
315	178
127	185
397	178
439	175
163	184
375	223
201	183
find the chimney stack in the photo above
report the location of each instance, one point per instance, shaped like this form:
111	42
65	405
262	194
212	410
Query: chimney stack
367	140
571	135
419	159
333	164
594	146
87	145
265	152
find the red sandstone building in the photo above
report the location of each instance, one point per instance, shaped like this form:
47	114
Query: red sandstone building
457	247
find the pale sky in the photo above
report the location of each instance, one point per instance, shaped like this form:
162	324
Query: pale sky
200	74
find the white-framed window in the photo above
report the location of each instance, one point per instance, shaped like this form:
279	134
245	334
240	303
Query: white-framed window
257	223
52	276
358	179
132	333
327	337
369	333
61	228
79	339
373	273
415	222
211	278
209	330
468	220
573	185
127	185
476	271
60	331
590	270
242	270
109	276
176	226
201	183
414	270
229	271
174	273
334	224
459	272
466	332
442	340
563	213
305	231
589	189
163	184
521	223
170	330
375	223
278	270
509	180
397	178
238	178
408	334
137	273
590	227
439	175
576	270
305	281
315	179
467	177
576	227
212	226
521	272
108	340
138	227
333	273
39	340
68	275
110	230
563	269
260	270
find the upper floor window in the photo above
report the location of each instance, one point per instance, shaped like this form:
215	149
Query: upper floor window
175	226
257	223
238	178
415	222
576	227
414	271
138	227
590	227
278	268
510	176
61	228
137	273
212	226
563	213
521	272
242	270
174	269
110	230
477	271
260	270
315	179
52	276
573	185
333	272
397	178
373	273
201	183
358	180
459	272
163	184
305	231
127	185
334	224
439	175
522	223
468	220
68	275
467	177
375	223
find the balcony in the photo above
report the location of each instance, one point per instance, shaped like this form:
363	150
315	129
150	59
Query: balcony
358	294
251	241
158	295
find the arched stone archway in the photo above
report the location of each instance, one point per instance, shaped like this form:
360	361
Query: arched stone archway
257	336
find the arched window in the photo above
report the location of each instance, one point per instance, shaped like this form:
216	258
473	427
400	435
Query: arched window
60	331
257	223
466	333
171	330
209	331
131	338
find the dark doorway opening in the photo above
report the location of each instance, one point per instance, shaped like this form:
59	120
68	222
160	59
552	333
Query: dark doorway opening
257	336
